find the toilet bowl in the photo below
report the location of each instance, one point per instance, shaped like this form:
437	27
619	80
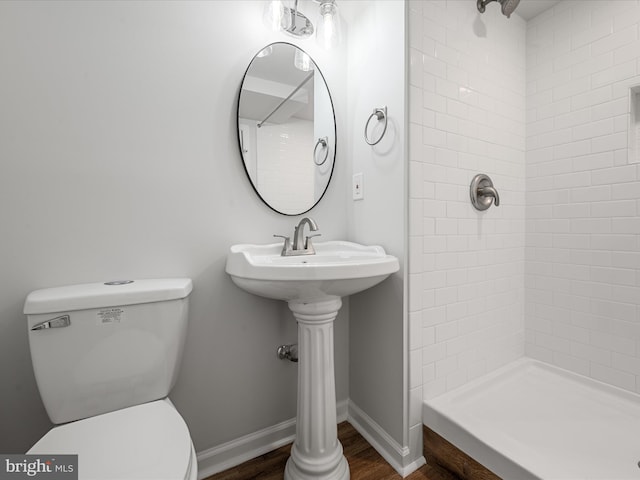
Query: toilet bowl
105	357
149	441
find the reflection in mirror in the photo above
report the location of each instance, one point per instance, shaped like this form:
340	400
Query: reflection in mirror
286	129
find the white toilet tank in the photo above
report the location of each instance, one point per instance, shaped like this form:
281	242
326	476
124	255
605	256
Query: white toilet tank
102	347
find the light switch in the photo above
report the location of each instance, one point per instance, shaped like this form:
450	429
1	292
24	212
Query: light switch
358	192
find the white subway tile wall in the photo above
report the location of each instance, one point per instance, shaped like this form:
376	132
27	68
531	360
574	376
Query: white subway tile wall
543	108
467	115
583	189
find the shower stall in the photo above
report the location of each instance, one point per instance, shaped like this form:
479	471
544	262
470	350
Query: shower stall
547	108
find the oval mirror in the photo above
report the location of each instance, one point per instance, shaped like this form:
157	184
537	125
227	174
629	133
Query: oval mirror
286	129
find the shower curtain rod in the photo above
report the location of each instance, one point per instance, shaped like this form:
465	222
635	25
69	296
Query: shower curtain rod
307	78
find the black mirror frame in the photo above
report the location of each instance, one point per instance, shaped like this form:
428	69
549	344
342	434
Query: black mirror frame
335	133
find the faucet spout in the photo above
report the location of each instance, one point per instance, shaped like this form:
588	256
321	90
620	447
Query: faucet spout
298	234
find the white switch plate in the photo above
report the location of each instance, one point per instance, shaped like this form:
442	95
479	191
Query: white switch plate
358	189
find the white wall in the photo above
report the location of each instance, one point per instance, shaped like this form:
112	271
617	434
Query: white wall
378	329
583	191
119	159
466	268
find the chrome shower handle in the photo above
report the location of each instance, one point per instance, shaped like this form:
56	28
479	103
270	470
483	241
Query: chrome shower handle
483	193
490	192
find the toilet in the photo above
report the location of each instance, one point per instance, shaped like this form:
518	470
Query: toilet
105	357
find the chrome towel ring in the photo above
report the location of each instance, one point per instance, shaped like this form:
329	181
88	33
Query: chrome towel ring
380	114
324	142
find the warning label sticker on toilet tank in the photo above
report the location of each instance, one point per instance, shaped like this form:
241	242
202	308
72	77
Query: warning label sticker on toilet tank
110	315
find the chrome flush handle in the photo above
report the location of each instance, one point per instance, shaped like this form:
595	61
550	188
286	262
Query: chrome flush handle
58	322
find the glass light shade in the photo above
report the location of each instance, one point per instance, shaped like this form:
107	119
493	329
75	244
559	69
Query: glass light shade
275	15
302	61
328	31
265	52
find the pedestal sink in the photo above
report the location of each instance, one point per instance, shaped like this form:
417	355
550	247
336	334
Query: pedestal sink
313	286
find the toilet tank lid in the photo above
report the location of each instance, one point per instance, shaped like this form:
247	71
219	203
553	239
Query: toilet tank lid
106	294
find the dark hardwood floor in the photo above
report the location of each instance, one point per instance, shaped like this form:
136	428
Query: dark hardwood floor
364	462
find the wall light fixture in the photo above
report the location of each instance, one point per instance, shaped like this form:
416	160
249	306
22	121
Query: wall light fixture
290	20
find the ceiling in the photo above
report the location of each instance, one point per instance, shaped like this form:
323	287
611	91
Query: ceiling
528	9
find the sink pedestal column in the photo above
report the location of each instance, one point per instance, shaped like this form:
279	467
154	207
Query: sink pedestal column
316	453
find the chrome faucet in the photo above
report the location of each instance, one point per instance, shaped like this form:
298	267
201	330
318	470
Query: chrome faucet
301	245
298	233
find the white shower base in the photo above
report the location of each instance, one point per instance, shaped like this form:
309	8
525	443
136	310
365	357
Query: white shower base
530	420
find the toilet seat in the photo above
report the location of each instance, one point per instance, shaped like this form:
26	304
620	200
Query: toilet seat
149	441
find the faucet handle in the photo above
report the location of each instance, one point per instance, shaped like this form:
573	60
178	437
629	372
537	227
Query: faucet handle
286	248
307	241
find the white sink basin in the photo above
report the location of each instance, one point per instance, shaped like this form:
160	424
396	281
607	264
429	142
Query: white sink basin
313	286
337	269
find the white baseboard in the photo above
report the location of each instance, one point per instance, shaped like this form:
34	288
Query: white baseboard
235	452
396	455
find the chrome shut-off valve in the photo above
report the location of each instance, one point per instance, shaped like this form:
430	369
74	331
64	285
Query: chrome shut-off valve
288	352
483	193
